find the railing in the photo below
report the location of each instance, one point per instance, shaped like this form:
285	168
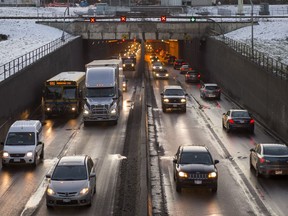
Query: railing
271	65
23	61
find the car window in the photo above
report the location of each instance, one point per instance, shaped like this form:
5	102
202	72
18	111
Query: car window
178	92
195	158
275	150
212	87
240	114
69	173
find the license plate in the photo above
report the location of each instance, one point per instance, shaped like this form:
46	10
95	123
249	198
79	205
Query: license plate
278	172
211	95
198	182
66	200
242	121
16	159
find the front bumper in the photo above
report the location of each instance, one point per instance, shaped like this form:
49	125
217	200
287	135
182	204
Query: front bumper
79	200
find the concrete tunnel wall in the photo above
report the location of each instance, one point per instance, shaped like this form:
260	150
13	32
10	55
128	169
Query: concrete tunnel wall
255	89
20	93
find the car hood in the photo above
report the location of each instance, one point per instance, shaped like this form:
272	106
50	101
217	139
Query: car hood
68	186
100	100
19	148
197	168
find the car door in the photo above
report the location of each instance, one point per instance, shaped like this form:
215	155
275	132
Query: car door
39	145
225	118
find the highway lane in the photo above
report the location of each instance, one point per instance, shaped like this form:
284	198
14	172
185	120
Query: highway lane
239	192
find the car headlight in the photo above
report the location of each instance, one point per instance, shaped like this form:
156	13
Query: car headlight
124	65
212	175
86	112
113	111
166	75
50	191
154	67
48	109
132	65
183	174
5	154
124	84
84	191
73	108
166	100
160	67
29	154
183	100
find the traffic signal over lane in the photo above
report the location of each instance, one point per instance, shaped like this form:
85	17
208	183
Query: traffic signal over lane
163	18
123	19
193	19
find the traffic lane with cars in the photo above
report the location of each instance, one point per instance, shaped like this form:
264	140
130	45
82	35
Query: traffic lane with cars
103	142
66	136
177	128
272	190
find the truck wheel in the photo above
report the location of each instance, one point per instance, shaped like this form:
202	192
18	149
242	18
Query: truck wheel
42	154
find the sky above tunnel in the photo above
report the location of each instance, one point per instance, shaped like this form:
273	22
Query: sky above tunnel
270	36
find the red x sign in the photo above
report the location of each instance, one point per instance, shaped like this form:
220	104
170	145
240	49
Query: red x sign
92	19
123	18
163	18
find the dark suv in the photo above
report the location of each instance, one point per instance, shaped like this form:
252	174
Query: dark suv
173	97
194	167
178	63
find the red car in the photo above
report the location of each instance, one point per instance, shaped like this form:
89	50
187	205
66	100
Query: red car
178	63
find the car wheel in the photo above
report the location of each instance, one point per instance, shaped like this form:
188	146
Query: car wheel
4	165
223	126
251	130
48	206
34	164
228	128
184	109
214	189
257	173
164	109
178	188
42	154
251	166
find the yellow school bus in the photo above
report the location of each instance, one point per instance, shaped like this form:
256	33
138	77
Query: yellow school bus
62	94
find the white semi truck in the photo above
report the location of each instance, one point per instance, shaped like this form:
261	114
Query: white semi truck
103	95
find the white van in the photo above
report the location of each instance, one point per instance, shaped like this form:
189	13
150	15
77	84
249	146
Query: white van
23	144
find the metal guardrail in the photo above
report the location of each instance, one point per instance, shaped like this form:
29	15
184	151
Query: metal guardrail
271	65
23	61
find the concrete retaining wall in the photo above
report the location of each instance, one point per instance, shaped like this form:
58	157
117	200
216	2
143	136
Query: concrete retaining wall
251	86
20	93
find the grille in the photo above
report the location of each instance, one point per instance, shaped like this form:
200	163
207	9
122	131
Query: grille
100	109
17	155
175	100
198	176
66	194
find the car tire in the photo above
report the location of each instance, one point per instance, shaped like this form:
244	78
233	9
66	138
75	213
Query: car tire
4	165
164	109
251	166
184	110
42	154
223	126
178	187
257	173
228	128
48	206
34	164
214	189
251	130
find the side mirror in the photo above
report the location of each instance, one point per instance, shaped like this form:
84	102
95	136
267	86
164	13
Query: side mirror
216	161
186	94
93	175
252	150
224	114
40	143
162	94
48	175
174	159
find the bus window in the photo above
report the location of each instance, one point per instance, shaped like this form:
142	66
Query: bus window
53	93
69	93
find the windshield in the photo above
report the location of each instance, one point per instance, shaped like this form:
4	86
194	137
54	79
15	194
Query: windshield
128	61
100	92
69	173
212	87
177	92
53	93
195	158
21	138
279	150
240	114
69	93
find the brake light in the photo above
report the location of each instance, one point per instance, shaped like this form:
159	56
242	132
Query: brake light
262	160
231	121
252	121
198	75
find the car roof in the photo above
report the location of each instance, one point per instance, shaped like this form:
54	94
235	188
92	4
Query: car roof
173	87
194	148
238	110
273	145
72	160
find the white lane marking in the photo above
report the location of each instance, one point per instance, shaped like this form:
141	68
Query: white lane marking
35	199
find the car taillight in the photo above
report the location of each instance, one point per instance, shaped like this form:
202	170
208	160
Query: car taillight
231	121
262	160
198	75
252	121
